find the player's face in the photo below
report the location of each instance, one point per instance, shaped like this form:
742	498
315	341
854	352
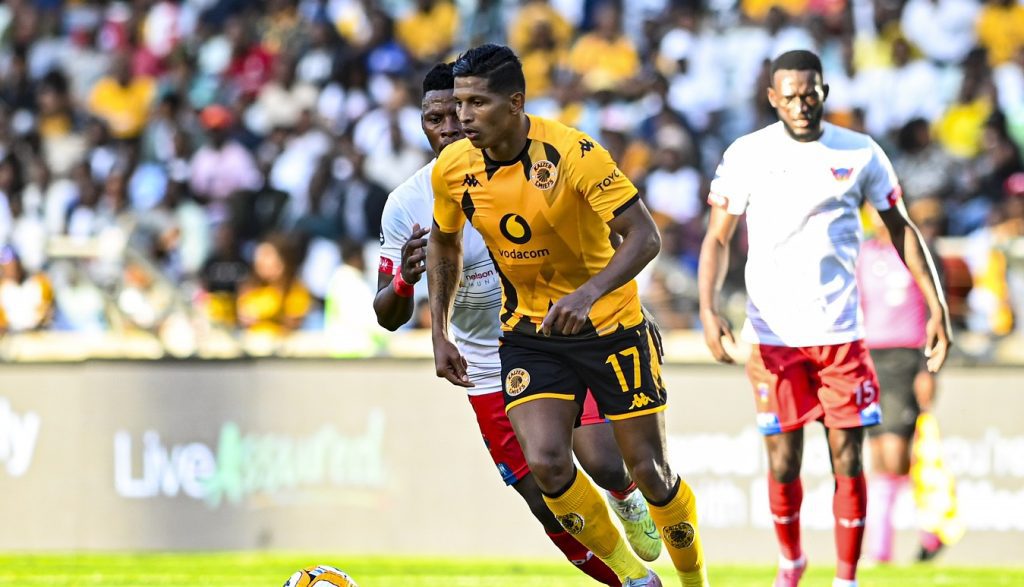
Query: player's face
486	116
439	121
798	97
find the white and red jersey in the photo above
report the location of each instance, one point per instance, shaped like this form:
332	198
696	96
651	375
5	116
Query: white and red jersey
895	311
802	202
475	322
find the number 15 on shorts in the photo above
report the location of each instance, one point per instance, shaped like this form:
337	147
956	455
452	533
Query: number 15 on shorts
866	393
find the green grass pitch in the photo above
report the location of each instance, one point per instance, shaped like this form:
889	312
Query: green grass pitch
271	570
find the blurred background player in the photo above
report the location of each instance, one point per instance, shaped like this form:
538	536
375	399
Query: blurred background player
477	328
801	183
895	315
546	198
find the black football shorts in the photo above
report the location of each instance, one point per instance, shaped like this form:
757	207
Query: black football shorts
620	369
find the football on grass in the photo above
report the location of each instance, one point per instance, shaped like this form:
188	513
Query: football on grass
320	576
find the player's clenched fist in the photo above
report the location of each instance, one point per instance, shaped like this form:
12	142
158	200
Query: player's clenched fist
568	315
414	253
715	329
938	342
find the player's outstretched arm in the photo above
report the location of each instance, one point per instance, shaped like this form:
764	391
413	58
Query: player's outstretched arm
444	270
394	301
911	247
712	267
640	244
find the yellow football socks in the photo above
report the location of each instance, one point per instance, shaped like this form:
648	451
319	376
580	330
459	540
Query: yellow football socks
583	513
677	524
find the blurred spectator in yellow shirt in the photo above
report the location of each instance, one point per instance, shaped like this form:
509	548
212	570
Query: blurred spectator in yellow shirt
351	19
960	129
606	59
222	275
757	10
54	106
122	99
524	26
273	301
1001	29
428	31
991	301
541	56
26	300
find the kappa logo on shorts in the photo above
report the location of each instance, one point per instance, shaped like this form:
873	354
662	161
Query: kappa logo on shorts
572	522
679	535
517	381
543	174
640	400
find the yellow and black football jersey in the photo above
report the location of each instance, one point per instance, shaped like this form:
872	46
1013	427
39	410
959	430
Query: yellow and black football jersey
543	216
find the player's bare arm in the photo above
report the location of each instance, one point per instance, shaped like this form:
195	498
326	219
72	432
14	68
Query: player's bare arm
444	269
713	265
640	244
652	324
392	308
910	245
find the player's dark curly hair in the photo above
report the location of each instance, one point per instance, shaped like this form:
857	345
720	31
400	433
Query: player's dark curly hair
799	60
439	78
495	63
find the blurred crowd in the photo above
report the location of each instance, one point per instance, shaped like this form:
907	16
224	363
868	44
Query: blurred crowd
221	165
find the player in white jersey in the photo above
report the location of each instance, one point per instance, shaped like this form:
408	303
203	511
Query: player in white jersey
476	324
801	183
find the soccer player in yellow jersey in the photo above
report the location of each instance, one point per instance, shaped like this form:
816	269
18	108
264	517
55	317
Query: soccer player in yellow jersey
548	201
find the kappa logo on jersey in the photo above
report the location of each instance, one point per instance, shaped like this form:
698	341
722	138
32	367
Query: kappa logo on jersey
514	228
640	400
517	381
471	181
842	173
585	147
387	266
543	174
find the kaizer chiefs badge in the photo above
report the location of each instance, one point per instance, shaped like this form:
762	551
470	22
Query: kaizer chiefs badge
517	381
680	535
572	522
543	174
